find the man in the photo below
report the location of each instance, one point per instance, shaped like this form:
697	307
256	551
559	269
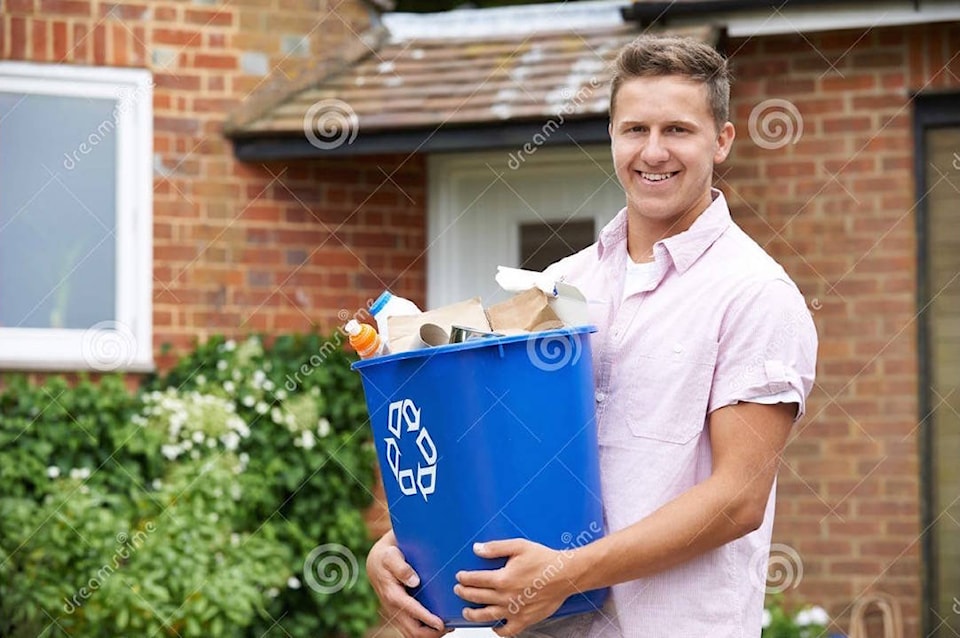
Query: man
703	360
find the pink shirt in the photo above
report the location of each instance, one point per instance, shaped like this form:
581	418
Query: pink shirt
715	322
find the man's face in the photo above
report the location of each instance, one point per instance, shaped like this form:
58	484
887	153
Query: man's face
665	143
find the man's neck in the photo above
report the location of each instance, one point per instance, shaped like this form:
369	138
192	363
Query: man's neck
644	232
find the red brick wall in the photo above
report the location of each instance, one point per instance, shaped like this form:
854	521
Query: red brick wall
237	247
837	210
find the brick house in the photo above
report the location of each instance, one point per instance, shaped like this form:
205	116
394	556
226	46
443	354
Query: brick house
226	203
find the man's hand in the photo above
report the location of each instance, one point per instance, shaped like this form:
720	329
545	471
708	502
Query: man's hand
389	572
530	587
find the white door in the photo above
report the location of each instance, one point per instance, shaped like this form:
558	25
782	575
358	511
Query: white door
509	209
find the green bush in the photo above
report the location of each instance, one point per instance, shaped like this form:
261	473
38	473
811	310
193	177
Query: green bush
225	498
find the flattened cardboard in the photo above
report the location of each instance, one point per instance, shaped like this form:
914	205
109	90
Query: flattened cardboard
405	330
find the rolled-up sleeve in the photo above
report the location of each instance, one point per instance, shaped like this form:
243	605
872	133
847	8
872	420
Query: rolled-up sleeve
768	346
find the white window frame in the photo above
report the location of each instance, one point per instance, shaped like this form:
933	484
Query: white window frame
125	343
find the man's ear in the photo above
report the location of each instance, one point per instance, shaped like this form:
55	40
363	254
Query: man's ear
724	142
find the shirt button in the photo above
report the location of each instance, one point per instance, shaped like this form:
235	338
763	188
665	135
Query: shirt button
678	348
600	397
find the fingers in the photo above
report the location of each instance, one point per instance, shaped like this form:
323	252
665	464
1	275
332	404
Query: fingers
389	572
397	565
482	578
478	595
491	614
411	628
499	549
411	607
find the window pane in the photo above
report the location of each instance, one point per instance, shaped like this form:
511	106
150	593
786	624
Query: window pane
541	244
58	164
944	317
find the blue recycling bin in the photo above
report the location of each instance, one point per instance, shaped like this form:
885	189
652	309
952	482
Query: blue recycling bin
489	439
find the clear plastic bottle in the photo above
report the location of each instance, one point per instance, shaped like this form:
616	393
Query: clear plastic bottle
389	305
364	339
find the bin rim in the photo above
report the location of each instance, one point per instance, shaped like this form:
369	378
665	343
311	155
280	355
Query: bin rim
472	344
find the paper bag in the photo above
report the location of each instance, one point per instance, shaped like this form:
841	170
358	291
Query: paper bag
530	310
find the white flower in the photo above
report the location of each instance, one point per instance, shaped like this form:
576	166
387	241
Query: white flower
156	484
258	378
281	394
293	582
306	440
197	437
187	445
81	473
269	385
53	471
276	415
201	380
234	539
211	442
812	616
244	458
230	345
221	365
262	408
323	427
230	440
170	451
248	401
229	387
273	592
767	618
195	454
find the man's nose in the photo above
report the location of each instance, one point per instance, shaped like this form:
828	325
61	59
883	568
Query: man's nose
654	152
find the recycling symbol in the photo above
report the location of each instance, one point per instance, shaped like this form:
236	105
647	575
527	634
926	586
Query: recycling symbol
404	420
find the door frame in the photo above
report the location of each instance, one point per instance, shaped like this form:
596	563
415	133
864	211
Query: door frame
443	172
930	112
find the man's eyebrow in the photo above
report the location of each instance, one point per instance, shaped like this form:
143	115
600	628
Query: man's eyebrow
683	123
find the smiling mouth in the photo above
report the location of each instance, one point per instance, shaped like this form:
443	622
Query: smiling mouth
656	177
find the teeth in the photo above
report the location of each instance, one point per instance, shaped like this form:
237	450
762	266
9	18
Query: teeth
656	177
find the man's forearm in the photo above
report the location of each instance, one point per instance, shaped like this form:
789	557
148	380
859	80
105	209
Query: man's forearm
705	517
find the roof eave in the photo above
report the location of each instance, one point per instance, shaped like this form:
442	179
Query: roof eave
521	138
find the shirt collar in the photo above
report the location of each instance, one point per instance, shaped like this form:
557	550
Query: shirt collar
684	248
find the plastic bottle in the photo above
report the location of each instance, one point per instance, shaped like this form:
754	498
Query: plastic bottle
364	339
389	305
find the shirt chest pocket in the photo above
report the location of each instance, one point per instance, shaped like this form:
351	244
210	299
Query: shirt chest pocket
668	386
